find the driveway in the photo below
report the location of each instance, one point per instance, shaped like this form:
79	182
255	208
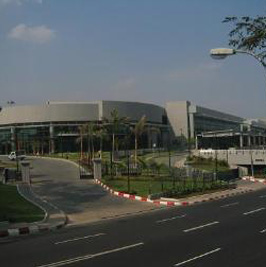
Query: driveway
83	201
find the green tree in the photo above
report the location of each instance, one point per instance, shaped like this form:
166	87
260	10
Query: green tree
115	126
138	131
79	140
90	131
249	34
101	134
87	130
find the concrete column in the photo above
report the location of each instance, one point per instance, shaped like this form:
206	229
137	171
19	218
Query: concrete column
241	141
13	138
191	125
25	171
249	141
196	143
97	168
51	141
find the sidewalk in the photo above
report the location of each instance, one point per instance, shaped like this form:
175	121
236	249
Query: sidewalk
53	219
242	187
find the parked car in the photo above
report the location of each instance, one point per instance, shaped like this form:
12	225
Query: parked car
14	155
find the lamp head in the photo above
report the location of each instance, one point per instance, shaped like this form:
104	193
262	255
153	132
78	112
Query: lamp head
221	53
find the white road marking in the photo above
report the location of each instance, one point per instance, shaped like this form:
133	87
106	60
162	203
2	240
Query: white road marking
262	196
198	257
263	231
199	227
79	238
171	218
229	205
253	211
89	256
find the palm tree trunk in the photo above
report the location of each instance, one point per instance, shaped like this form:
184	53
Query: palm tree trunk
92	147
101	145
136	150
88	149
113	147
81	146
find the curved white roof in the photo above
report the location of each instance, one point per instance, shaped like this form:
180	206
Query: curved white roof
75	111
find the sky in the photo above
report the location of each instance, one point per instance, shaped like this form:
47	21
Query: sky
151	51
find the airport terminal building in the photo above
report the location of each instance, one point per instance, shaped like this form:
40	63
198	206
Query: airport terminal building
55	126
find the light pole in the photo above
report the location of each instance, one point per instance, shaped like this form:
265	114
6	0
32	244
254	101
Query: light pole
222	53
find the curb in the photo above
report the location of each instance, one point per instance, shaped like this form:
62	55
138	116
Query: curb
168	203
29	230
37	227
253	179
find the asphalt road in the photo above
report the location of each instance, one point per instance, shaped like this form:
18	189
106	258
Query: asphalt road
82	200
228	232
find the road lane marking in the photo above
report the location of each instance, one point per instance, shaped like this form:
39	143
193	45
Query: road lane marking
198	257
199	227
90	256
78	238
171	218
262	196
253	211
229	205
263	231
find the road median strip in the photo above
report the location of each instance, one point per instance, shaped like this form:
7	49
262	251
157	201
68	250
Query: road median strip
170	203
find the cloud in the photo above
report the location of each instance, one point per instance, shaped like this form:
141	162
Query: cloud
37	34
202	71
125	84
18	2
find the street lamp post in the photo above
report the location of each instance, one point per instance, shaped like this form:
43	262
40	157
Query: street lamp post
222	53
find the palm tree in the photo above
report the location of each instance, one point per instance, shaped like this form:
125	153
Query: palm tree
90	132
138	130
100	133
87	130
81	129
115	123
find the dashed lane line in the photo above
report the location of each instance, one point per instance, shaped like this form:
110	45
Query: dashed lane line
229	205
78	238
171	218
198	257
90	256
253	211
200	227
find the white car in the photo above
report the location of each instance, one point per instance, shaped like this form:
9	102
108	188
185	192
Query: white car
20	155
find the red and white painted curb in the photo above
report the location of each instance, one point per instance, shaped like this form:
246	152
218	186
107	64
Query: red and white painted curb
168	203
29	230
143	199
253	179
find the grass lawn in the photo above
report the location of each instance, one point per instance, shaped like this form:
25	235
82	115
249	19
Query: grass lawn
209	166
10	164
14	208
145	186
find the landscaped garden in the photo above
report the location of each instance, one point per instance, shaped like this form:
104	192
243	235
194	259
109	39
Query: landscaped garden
14	208
153	178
